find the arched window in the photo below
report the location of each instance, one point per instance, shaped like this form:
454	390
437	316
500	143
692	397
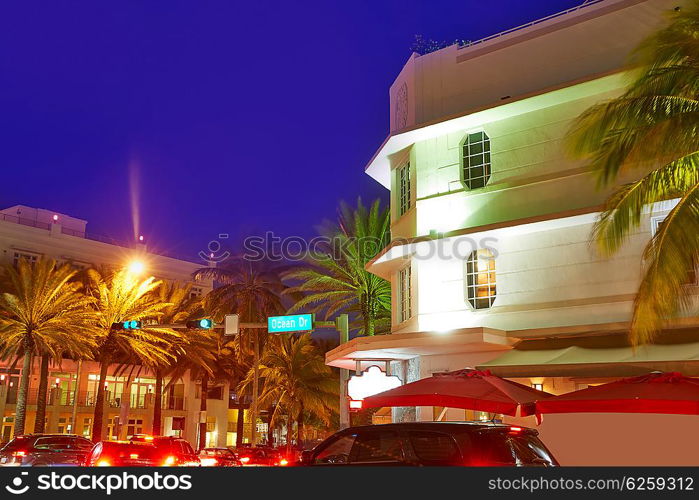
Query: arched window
480	279
475	160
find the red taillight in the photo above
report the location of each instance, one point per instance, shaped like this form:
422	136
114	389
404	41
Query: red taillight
169	461
103	462
245	459
19	454
283	462
209	462
515	429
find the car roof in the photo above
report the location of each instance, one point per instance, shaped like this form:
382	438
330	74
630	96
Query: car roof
443	426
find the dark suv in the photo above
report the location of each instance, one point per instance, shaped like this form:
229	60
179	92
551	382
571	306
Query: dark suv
432	443
178	448
45	449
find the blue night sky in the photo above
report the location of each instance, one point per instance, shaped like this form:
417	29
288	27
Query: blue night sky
235	117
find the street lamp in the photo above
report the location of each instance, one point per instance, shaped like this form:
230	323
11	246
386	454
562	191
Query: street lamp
136	267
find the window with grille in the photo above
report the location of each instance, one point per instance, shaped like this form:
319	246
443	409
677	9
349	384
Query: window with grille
475	160
404	294
403	189
30	257
480	279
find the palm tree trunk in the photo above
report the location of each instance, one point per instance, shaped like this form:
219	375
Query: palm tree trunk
289	425
21	408
299	427
240	426
40	421
158	403
255	388
202	408
99	402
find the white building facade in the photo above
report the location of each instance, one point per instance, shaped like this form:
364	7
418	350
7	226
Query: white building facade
492	263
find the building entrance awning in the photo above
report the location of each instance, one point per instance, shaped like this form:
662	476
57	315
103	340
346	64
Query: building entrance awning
598	356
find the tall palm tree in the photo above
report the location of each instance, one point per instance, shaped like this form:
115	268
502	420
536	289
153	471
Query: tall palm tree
651	133
180	307
337	280
253	290
122	296
196	353
43	313
297	381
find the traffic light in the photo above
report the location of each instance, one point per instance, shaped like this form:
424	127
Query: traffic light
201	324
131	324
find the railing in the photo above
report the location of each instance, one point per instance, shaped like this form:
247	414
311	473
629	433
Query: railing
24	221
72	232
173	403
586	3
94	237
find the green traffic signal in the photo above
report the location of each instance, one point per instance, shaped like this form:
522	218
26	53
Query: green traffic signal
201	324
131	324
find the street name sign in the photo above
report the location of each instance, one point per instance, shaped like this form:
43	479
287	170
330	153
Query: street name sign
291	323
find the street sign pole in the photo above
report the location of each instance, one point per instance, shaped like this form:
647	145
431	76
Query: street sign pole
342	325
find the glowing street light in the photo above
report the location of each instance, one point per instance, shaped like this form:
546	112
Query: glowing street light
136	267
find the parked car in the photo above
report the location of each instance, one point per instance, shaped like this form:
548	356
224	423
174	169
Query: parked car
432	443
219	457
262	456
179	448
127	454
45	450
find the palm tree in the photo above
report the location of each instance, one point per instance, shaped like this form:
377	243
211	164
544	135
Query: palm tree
650	133
297	381
337	280
122	296
253	290
196	352
44	313
180	307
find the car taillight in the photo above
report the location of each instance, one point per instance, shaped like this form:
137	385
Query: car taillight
19	454
169	461
208	462
245	459
515	429
133	456
103	463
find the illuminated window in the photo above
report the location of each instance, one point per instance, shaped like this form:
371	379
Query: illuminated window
480	279
404	294
403	189
475	160
538	387
195	292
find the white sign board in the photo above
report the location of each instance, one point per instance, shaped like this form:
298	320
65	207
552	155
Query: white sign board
231	325
372	381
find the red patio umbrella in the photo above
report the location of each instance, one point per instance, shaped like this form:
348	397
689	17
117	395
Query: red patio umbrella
468	389
669	392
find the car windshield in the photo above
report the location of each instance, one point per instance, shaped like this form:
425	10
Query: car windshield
502	448
62	443
131	451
